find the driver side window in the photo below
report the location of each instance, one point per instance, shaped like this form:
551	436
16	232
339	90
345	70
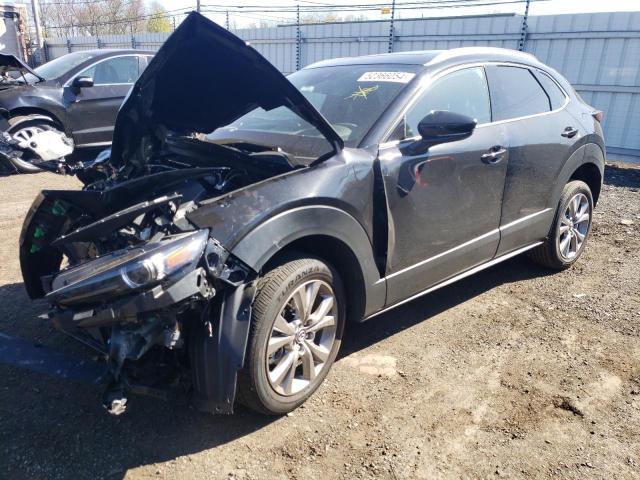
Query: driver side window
118	70
463	91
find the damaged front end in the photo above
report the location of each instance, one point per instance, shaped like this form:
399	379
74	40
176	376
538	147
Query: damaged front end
123	266
156	306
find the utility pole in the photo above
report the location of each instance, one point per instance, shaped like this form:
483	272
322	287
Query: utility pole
391	27
36	19
298	37
523	31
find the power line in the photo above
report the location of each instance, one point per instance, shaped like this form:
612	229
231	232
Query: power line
244	11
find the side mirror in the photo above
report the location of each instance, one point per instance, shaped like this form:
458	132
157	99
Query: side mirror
443	126
83	81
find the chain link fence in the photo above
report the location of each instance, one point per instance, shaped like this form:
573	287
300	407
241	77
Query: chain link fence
599	53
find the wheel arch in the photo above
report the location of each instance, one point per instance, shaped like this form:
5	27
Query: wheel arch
340	256
586	164
589	174
325	232
35	113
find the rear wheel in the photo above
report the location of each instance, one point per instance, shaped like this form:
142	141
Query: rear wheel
570	229
298	320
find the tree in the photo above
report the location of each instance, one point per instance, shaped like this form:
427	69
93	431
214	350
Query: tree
71	18
159	21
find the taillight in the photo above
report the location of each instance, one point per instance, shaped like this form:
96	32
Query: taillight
598	115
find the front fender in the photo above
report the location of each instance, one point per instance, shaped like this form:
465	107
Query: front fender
263	242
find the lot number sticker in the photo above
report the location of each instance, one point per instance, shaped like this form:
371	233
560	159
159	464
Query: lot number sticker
398	77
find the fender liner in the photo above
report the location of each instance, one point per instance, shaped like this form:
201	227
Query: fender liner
267	239
217	357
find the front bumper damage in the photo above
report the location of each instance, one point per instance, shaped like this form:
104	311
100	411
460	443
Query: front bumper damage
217	339
188	330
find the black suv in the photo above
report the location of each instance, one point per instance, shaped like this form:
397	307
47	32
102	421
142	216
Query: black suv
244	217
79	94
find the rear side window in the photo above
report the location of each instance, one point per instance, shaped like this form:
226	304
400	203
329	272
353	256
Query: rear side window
556	97
515	93
464	91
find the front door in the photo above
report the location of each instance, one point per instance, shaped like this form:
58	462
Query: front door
92	110
444	203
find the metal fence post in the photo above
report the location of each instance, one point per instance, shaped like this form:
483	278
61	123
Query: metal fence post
523	31
391	28
298	38
69	45
133	41
98	42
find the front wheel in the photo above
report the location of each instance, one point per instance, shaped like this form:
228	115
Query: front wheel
22	129
570	229
298	319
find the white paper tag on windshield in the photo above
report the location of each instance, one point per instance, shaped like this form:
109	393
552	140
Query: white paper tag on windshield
398	77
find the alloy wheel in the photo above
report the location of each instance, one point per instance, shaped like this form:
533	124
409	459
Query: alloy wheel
302	337
25	134
574	226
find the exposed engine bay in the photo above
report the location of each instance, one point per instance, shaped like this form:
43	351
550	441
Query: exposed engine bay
125	271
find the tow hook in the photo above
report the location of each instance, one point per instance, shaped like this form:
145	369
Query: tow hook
114	399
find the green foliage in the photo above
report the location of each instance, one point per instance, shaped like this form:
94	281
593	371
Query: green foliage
159	21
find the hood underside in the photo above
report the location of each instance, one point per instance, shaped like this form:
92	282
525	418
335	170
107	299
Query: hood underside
12	64
201	79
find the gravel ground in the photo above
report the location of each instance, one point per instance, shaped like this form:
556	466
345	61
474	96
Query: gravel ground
516	372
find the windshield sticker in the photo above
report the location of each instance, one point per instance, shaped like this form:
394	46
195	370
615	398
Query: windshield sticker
362	92
398	77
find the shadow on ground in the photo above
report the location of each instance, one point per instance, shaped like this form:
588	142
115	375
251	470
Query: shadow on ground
53	428
617	176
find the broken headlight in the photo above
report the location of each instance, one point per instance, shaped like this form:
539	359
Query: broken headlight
124	271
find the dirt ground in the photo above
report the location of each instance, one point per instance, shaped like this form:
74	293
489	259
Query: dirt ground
516	372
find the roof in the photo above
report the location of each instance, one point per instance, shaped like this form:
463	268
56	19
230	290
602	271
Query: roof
434	57
107	51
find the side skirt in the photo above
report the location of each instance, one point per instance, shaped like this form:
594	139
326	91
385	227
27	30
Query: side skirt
455	278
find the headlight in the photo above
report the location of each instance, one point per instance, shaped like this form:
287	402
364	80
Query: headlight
130	269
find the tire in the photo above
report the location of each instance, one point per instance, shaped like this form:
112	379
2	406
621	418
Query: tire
258	385
25	124
551	253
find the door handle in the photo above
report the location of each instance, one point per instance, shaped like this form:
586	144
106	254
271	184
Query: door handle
569	132
495	155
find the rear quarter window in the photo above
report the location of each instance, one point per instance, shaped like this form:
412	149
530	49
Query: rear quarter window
556	96
515	93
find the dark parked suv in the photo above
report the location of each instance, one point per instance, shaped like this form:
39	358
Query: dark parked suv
244	217
79	94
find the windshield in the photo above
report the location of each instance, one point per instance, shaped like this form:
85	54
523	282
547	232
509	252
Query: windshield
350	97
59	66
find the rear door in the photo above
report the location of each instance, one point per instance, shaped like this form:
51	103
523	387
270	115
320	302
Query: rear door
92	110
444	203
541	134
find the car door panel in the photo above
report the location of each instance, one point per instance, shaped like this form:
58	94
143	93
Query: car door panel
92	110
446	219
538	148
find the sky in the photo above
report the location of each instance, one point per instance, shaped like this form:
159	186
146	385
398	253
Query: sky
538	7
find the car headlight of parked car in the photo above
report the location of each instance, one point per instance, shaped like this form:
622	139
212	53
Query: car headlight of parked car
128	270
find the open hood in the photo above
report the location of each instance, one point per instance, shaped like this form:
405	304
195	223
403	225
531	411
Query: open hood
11	63
203	78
